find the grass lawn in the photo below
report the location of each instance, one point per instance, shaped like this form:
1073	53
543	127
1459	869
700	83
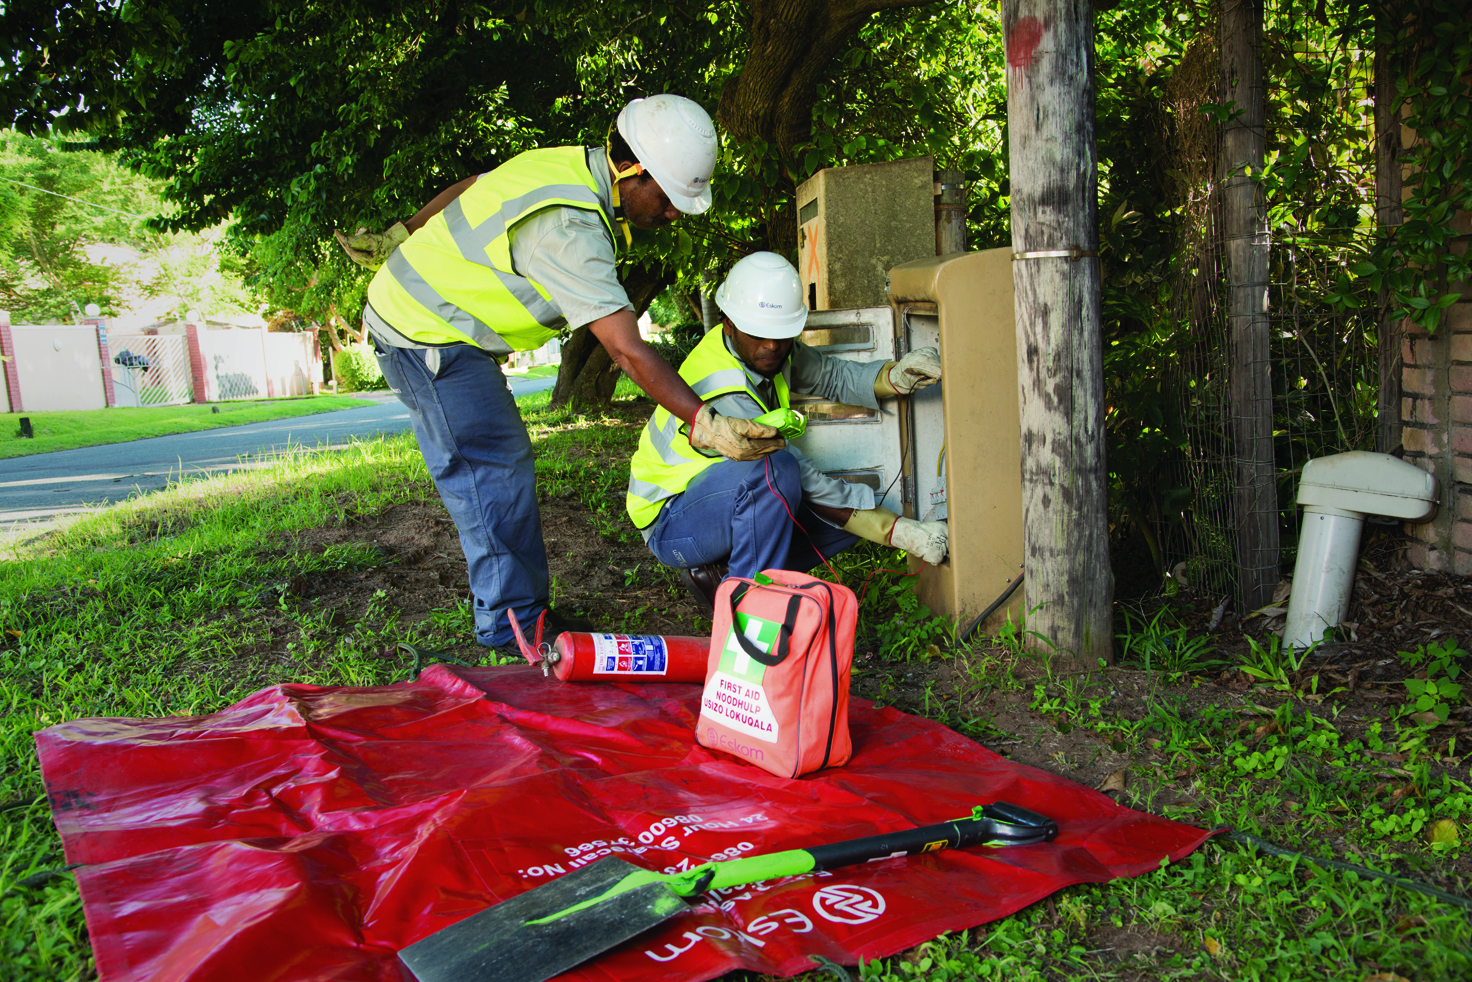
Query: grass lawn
185	601
68	430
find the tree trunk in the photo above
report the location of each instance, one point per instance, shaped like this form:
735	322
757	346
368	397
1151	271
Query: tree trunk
710	314
1388	215
1244	226
792	42
1050	113
587	375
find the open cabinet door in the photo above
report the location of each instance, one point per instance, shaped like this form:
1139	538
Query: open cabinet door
851	442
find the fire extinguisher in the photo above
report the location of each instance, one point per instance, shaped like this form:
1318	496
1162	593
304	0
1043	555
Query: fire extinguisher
576	656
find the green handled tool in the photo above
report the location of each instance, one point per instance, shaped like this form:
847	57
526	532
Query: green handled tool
789	422
559	925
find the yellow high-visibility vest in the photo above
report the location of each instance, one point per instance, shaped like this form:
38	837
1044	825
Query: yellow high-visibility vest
665	463
453	280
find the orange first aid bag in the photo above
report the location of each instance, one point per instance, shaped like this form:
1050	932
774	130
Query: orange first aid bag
776	680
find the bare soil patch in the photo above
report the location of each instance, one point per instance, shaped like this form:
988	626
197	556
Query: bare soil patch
616	584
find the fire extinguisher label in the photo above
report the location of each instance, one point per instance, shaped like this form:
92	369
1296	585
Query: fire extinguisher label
623	654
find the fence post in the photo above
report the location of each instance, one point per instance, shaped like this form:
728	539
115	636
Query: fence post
12	368
266	365
197	375
1247	241
104	355
316	376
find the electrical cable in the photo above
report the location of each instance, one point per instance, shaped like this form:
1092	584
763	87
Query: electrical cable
1415	886
20	803
421	656
863	590
897	475
1011	589
767	462
68	197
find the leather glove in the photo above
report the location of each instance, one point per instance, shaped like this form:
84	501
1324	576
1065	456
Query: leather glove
926	541
732	436
372	249
916	370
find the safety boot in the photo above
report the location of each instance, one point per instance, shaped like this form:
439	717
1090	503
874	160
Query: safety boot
702	582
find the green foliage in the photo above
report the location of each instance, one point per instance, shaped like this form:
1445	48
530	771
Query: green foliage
1274	661
58	254
675	344
45	270
911	630
1438	692
922	81
357	369
1423	264
1161	645
671	308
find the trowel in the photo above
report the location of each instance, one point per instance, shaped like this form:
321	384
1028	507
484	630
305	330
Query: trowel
579	916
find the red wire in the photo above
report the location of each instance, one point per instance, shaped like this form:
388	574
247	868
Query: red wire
768	462
865	588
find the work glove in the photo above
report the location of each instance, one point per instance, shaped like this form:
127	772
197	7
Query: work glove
372	249
732	436
916	370
926	541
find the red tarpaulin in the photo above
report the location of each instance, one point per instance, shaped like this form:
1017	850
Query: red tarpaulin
311	832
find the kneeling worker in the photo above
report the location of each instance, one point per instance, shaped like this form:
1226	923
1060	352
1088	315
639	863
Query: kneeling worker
712	517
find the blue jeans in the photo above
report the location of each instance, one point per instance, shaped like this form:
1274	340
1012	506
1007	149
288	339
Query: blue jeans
477	450
732	513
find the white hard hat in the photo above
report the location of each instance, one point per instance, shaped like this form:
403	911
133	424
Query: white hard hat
676	142
763	297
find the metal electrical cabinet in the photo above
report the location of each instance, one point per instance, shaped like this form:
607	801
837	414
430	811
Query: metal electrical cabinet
950	452
854	443
960	440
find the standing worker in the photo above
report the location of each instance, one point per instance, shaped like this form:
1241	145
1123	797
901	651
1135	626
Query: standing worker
711	518
500	263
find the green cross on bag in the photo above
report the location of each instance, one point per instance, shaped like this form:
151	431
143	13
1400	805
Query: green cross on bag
736	662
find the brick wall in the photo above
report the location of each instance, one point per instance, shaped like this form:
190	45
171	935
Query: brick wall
1436	431
104	354
197	374
10	376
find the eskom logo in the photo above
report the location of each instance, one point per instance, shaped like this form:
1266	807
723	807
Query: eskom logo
845	904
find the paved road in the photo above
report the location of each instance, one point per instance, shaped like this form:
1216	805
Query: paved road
40	489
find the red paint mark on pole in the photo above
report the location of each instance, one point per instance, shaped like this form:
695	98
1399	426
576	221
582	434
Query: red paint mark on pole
1022	42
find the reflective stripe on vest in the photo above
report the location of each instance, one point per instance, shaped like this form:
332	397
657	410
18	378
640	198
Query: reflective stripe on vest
453	280
665	463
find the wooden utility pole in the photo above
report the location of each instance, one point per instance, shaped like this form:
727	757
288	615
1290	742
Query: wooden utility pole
1244	226
1055	274
1388	215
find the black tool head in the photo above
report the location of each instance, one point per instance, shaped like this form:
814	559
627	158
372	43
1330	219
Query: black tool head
499	945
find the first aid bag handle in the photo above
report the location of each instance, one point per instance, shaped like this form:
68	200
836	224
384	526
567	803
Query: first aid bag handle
784	635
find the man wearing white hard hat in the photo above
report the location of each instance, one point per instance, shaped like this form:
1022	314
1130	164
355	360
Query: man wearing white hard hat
503	262
712	517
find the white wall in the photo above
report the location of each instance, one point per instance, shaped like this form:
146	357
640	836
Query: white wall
290	367
234	364
58	367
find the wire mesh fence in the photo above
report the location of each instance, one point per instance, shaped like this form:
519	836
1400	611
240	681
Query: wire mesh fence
1317	198
1325	375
